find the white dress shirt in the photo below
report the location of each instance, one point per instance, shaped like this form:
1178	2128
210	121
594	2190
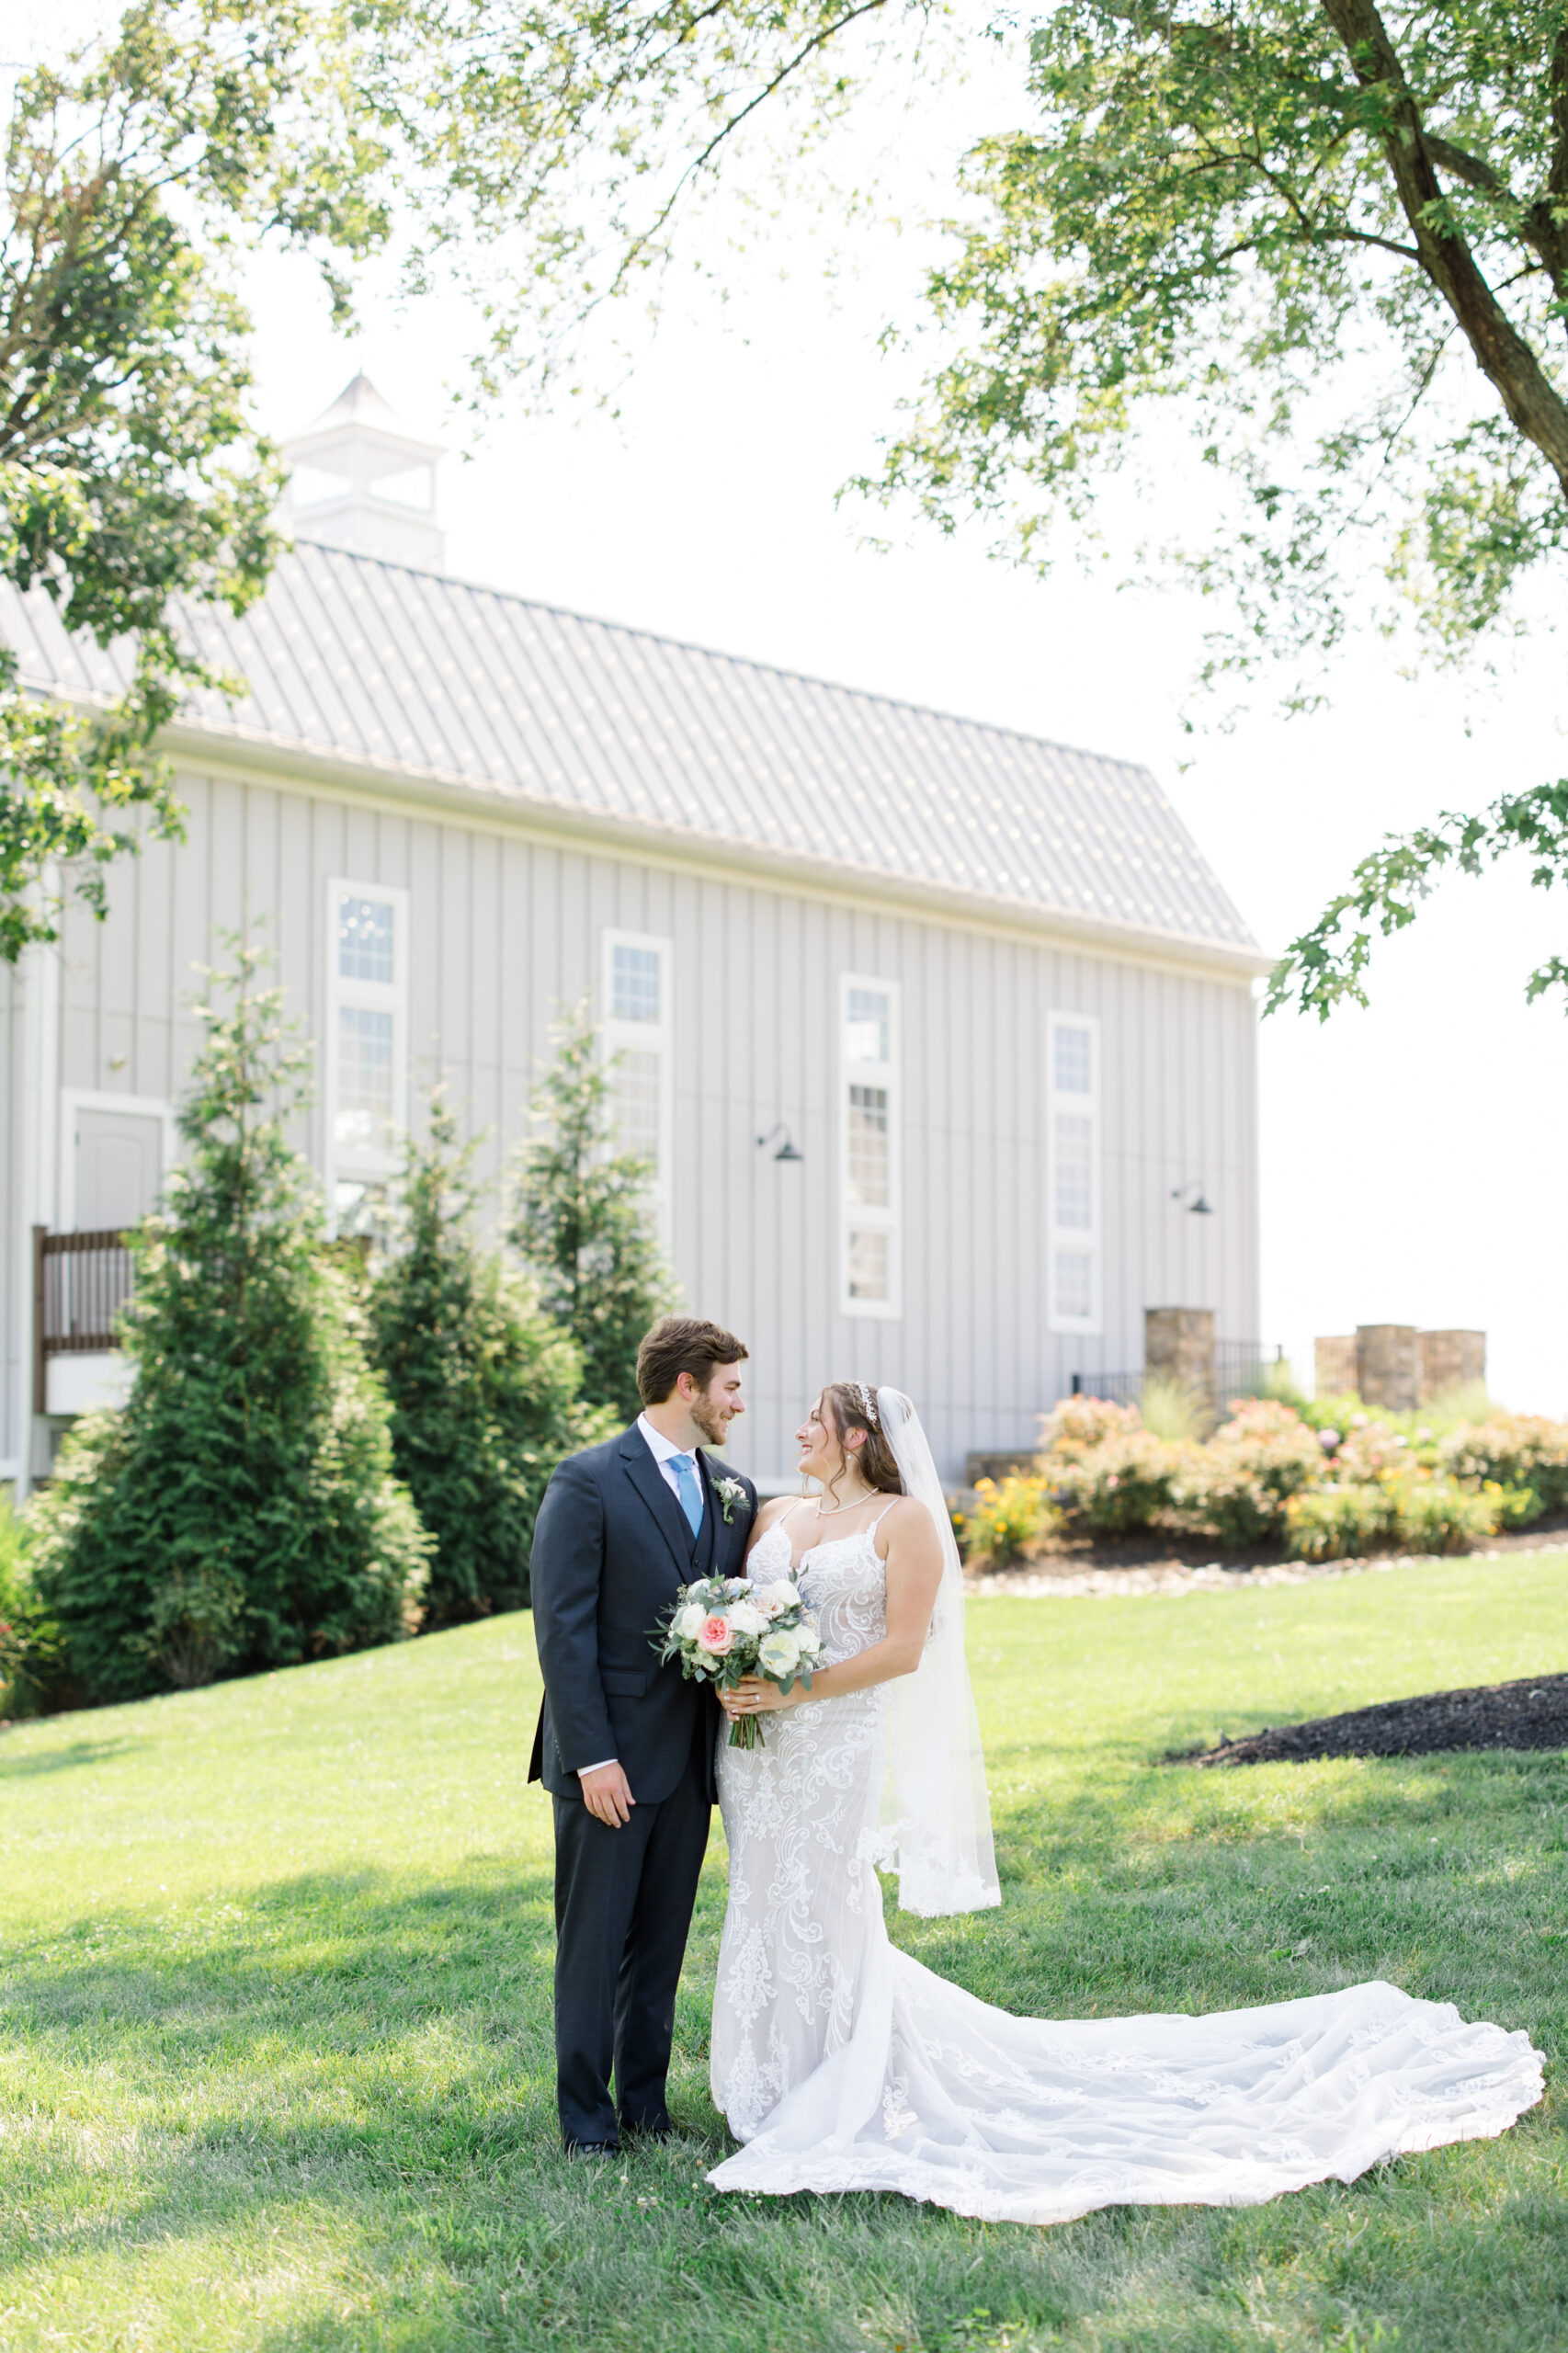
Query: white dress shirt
664	1454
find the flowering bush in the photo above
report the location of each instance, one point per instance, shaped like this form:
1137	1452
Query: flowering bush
1433	1513
1079	1426
1404	1504
1126	1483
1236	1487
1519	1450
1333	1521
1005	1518
1368	1447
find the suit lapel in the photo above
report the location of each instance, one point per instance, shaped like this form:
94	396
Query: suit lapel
649	1481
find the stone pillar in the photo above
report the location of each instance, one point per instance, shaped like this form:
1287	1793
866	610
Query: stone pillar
1449	1360
1388	1365
1179	1343
1334	1365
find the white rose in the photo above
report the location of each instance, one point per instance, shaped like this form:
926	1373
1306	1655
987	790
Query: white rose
777	1597
780	1655
687	1622
747	1618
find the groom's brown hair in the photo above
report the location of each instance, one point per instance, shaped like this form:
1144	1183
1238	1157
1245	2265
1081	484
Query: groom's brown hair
680	1343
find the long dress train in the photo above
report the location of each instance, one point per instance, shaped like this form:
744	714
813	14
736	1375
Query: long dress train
841	2064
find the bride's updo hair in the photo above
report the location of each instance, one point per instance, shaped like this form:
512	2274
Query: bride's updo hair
846	1405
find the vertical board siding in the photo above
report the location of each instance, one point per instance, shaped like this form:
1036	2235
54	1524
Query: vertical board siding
16	1382
505	934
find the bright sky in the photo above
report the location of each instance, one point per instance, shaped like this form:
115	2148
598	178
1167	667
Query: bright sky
1413	1156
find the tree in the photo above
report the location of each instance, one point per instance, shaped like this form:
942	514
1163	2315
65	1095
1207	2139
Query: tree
483	1386
1330	239
582	1222
241	1512
133	487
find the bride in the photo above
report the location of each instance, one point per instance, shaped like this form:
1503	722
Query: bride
841	2064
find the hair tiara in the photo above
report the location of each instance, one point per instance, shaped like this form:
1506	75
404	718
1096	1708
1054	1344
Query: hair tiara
869	1400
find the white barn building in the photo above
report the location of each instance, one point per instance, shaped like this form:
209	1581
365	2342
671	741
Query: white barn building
937	1032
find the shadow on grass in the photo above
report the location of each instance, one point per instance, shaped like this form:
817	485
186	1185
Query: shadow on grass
230	2035
58	1760
353	2077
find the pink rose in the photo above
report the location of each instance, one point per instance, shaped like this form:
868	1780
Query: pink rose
717	1636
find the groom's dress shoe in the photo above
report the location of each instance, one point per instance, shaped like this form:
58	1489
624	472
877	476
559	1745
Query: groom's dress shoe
593	2149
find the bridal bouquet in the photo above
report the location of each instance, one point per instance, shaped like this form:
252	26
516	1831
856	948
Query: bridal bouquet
723	1628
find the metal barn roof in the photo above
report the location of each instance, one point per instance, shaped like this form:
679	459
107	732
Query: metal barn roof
354	660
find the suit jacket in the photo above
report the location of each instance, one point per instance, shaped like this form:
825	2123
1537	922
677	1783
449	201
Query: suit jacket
611	1546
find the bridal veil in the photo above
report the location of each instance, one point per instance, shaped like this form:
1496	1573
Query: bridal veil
936	1807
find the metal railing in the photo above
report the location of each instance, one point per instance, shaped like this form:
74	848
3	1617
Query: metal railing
1242	1368
80	1283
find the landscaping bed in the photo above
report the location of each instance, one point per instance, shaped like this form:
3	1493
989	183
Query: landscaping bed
1072	1560
1529	1713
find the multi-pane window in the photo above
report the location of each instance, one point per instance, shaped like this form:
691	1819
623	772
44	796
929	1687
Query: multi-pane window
869	1152
1073	1178
636	1031
363	1110
366	1037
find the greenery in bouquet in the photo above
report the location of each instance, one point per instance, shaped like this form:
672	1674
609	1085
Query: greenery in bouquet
722	1629
1006	1520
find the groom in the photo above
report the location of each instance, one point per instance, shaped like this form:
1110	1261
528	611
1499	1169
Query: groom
624	1746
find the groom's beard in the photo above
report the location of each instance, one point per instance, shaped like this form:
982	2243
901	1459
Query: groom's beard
707	1420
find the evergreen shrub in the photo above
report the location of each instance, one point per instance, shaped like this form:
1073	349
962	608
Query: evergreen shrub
483	1384
582	1220
241	1512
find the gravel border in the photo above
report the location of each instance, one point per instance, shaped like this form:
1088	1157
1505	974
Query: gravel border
1177	1577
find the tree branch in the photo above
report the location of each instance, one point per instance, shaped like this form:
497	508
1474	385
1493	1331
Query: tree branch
1503	355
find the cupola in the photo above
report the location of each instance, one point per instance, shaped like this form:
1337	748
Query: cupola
358	479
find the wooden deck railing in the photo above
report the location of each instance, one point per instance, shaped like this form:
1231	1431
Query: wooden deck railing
80	1283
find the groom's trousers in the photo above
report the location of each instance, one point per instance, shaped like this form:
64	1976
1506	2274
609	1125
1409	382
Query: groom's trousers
623	1901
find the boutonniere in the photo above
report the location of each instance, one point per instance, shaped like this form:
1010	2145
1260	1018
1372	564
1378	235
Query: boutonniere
730	1493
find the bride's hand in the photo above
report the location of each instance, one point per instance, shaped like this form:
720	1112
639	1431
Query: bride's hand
751	1697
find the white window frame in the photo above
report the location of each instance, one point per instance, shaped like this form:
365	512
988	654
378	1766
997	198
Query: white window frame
90	1098
853	1216
646	1038
343	1164
1089	1239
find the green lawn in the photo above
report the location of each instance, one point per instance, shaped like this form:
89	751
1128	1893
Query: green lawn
274	2027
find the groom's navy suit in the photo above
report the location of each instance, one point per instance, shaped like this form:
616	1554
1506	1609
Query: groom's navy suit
610	1548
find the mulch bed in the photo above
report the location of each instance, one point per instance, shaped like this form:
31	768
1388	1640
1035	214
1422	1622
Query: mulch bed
1532	1714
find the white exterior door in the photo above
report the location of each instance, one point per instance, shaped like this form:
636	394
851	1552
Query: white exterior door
119	1168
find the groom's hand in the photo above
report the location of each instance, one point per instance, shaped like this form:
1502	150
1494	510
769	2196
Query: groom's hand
607	1793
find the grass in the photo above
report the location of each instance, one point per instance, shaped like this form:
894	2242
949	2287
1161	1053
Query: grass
275	2063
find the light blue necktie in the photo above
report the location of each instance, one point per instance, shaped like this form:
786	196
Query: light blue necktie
690	1489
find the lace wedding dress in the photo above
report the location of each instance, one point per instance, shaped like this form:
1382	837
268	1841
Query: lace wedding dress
841	2064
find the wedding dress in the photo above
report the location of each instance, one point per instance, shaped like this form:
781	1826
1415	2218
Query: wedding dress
841	2064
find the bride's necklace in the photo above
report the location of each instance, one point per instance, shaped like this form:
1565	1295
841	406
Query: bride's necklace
831	1510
